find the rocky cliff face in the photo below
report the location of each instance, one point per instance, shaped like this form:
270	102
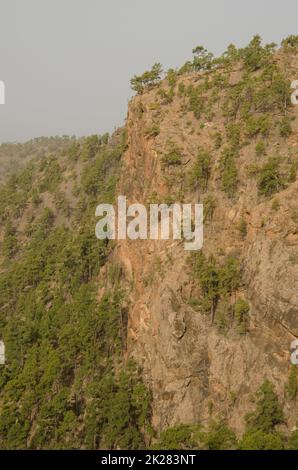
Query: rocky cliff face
206	327
197	371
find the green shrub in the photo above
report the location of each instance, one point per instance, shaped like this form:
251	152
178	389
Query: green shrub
255	55
172	77
10	241
91	146
173	157
216	281
181	89
260	148
241	314
260	440
148	79
290	42
206	272
179	437
234	135
242	228
230	276
217	140
196	102
258	125
223	315
166	95
153	130
229	173
209	204
293	441
220	437
200	173
52	176
268	413
203	59
269	179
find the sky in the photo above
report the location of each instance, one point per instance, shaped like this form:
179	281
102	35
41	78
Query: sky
67	64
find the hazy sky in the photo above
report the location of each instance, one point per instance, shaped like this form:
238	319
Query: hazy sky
67	64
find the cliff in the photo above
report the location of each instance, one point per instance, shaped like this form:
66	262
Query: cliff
197	369
125	344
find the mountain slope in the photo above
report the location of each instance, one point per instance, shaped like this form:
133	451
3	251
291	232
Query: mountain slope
235	132
64	375
136	344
